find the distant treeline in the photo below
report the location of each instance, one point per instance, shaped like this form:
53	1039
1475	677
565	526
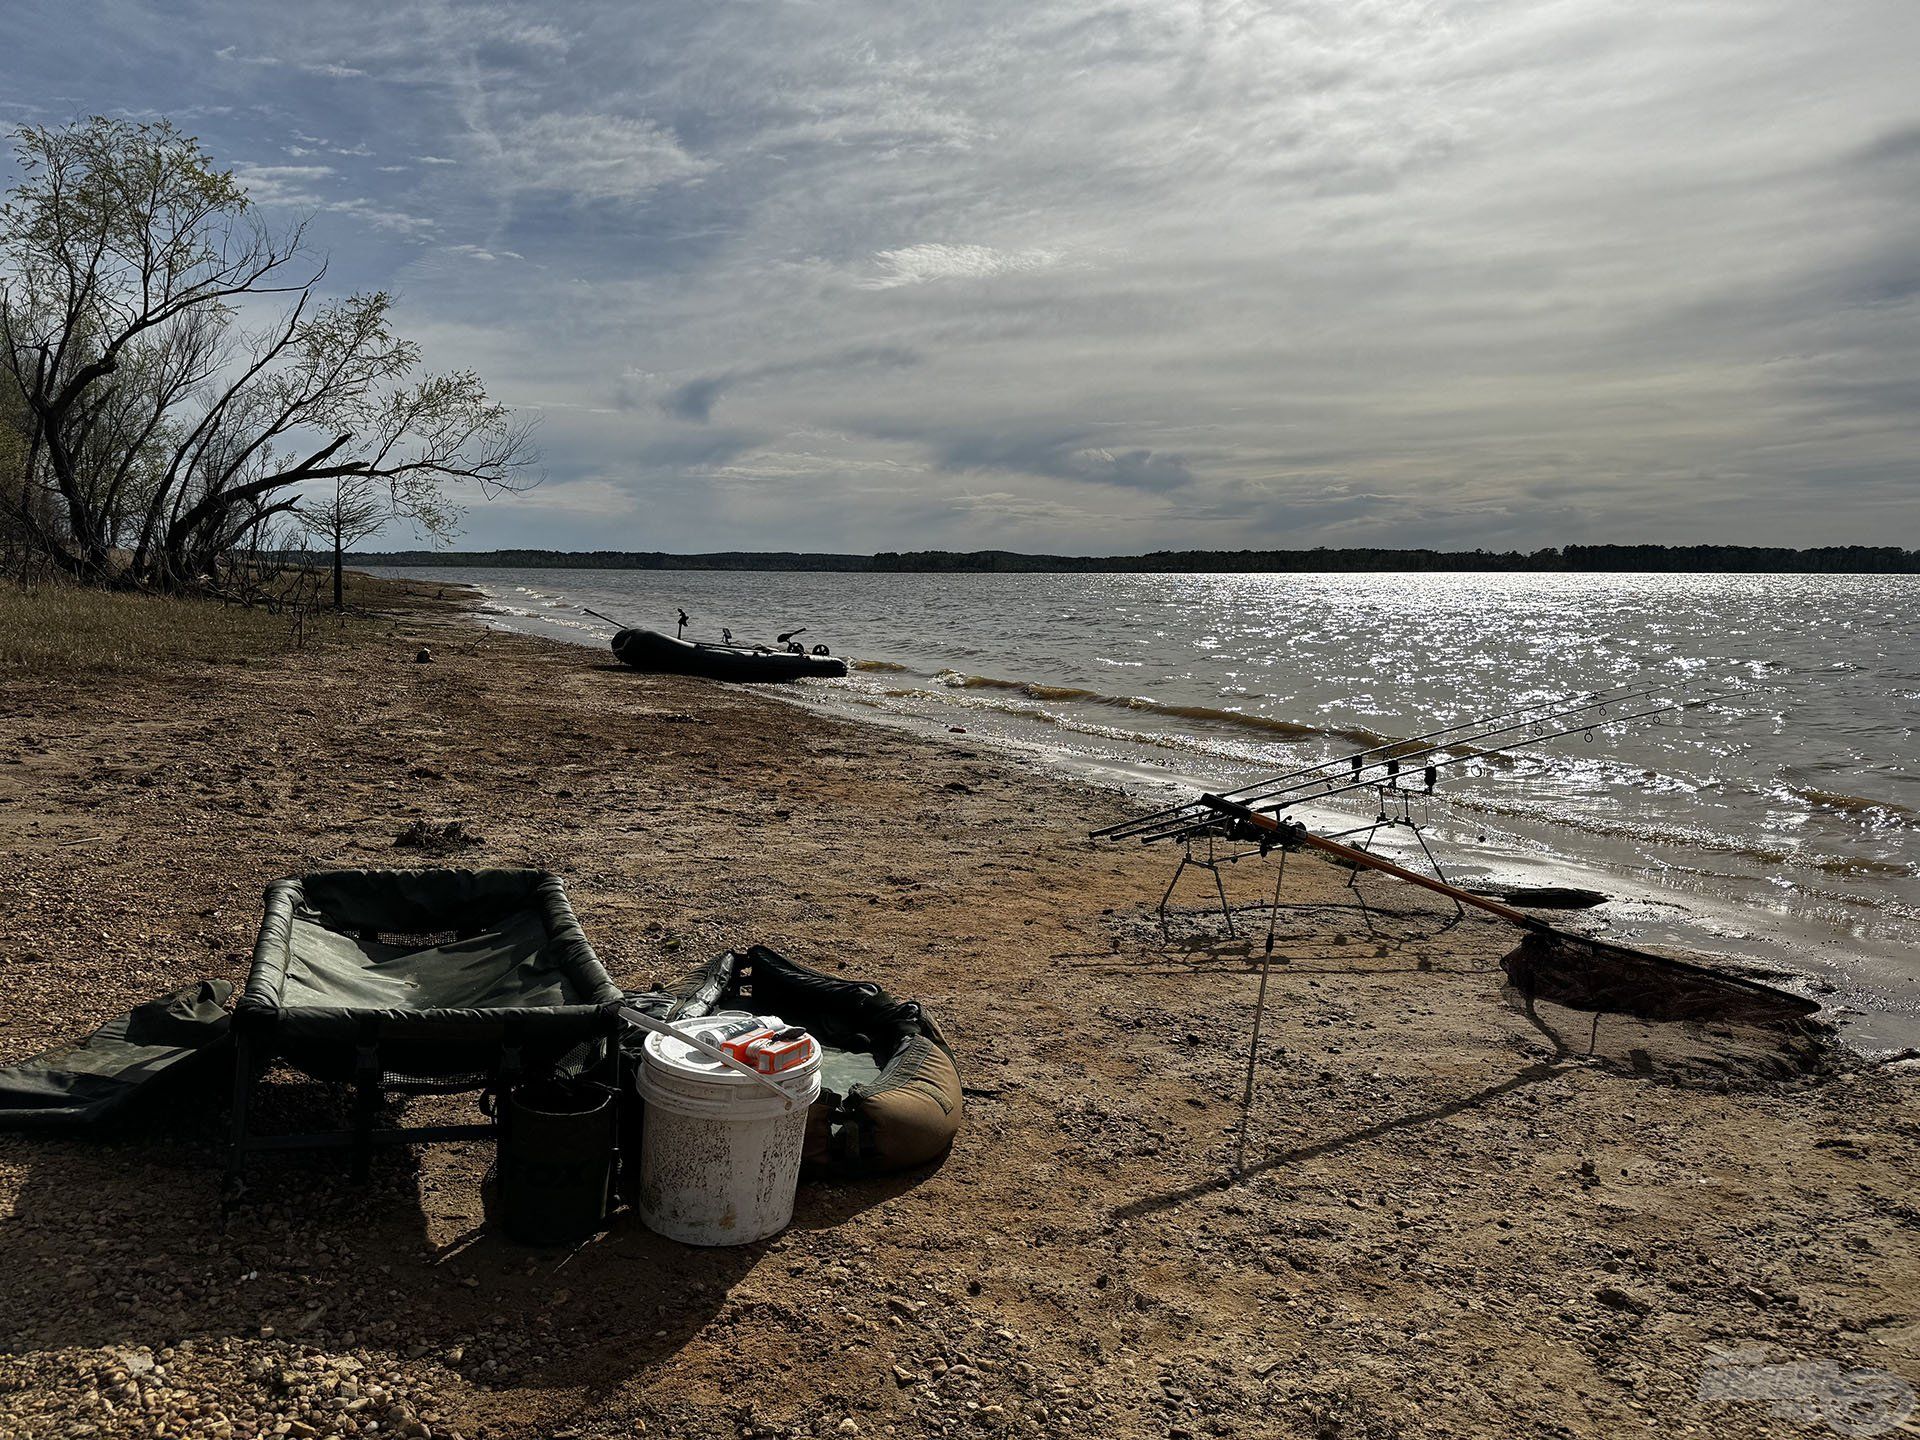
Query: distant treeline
1698	559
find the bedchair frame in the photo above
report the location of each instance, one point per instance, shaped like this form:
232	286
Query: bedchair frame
432	981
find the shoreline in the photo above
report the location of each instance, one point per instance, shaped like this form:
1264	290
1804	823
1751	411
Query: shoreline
1461	1216
1876	1005
1575	559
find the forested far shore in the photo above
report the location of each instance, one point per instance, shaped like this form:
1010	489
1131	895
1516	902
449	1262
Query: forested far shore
1700	559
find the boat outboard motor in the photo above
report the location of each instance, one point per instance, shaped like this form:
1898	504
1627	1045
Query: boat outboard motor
681	633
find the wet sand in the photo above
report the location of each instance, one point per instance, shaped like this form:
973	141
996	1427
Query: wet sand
1462	1217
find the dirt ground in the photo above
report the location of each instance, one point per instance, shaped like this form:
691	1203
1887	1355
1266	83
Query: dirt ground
1459	1217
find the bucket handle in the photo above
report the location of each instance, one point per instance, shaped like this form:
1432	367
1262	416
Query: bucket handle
704	1046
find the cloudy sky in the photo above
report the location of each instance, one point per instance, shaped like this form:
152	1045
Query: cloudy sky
1103	277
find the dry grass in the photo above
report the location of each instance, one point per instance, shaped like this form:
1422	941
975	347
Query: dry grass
55	629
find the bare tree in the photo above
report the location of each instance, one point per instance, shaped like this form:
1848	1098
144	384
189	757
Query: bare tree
156	423
358	507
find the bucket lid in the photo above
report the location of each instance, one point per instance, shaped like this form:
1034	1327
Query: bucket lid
665	1052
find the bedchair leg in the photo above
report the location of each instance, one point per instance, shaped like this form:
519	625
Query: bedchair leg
242	1094
614	1032
366	1098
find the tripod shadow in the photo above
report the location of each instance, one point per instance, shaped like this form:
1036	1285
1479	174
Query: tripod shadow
1536	1073
1204	946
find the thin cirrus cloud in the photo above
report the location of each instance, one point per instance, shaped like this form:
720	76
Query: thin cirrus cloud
1073	456
1083	276
595	157
922	264
694	399
330	69
314	188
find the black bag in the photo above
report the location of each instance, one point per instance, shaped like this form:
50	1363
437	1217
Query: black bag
556	1160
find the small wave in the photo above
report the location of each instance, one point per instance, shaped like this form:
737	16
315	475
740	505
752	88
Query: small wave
994	705
1861	806
1206	714
885	666
960	680
1267	724
1753	849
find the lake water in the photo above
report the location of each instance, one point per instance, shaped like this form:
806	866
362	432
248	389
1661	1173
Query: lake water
1777	820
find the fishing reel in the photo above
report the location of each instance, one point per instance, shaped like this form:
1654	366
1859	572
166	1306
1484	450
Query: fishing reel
1285	835
1243	822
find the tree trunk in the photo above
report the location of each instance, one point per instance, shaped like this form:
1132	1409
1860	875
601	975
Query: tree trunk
90	559
339	595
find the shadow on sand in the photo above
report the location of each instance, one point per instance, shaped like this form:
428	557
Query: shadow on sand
118	1241
1692	1029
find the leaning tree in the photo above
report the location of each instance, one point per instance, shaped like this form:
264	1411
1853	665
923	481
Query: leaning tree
161	419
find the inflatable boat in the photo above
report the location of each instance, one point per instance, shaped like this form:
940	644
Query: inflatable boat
665	655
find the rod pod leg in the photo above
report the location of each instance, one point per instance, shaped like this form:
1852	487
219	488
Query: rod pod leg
1166	933
1273	910
1253	1061
1459	910
1226	910
1353	877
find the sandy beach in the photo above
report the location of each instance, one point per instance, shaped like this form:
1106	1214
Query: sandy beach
1462	1217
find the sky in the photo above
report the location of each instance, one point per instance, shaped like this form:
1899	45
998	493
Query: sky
1101	278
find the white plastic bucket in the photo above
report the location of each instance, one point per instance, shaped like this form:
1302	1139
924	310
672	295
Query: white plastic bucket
719	1151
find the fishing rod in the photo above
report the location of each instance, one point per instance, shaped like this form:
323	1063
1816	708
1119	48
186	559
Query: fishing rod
703	644
1123	828
1357	764
1587	727
1470	747
1214	803
1392	763
1360	760
1435	767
